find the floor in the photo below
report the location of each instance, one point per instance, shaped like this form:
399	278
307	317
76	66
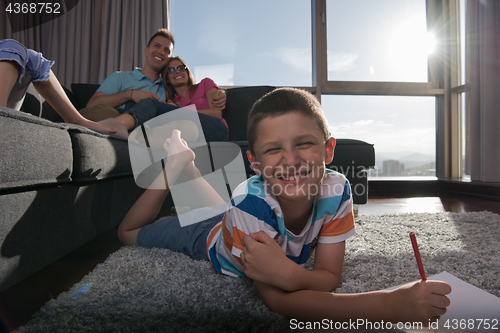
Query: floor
18	303
443	203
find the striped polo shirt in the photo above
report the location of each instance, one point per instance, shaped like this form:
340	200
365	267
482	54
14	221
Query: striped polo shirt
256	209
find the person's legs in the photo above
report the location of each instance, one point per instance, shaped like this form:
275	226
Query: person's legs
127	120
137	114
147	109
10	74
13	59
143	111
121	129
167	233
213	128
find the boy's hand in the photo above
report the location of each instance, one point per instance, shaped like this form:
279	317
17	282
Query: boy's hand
264	260
423	301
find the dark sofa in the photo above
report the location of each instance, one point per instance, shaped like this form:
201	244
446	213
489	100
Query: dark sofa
62	185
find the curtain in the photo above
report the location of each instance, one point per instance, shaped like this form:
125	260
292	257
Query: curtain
94	38
483	90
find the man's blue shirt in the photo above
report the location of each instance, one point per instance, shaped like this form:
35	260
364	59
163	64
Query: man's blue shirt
120	81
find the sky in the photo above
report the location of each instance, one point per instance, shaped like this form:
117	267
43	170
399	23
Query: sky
258	42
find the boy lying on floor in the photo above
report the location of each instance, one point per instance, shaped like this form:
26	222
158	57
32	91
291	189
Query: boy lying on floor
291	207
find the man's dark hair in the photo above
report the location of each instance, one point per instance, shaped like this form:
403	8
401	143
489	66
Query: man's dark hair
163	32
282	101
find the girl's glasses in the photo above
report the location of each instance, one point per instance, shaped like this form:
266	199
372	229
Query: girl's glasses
181	68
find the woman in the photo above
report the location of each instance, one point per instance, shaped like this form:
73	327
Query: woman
181	90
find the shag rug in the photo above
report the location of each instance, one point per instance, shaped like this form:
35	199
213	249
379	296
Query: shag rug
156	290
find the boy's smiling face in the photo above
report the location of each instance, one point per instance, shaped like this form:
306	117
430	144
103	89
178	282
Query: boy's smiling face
290	153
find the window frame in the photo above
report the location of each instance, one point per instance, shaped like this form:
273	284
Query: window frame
443	79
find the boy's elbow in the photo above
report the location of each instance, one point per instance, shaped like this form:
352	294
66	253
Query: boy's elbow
275	305
120	234
127	237
273	297
335	284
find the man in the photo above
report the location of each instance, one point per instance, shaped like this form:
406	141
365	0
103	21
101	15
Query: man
120	90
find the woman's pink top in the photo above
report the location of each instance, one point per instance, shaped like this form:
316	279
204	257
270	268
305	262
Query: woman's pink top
199	98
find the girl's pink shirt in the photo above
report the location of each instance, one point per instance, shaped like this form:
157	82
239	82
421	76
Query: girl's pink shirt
199	97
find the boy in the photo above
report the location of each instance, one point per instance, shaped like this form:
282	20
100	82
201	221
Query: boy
290	207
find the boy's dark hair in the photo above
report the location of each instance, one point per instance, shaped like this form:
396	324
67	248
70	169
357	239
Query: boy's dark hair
162	32
281	101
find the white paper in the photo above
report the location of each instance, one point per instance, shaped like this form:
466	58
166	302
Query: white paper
471	310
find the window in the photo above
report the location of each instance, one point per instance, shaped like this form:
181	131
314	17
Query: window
383	40
245	42
464	153
462	40
401	128
372	66
465	163
385	44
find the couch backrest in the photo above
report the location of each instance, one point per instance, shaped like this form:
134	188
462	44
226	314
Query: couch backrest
31	105
83	92
238	104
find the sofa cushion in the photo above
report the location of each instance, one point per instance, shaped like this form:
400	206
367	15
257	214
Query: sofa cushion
359	187
98	155
83	92
352	155
238	105
34	151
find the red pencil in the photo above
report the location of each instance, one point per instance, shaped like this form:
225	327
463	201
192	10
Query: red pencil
417	256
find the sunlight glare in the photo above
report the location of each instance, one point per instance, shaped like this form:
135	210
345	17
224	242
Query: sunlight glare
430	43
409	45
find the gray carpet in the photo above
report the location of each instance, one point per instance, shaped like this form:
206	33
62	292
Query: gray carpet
154	290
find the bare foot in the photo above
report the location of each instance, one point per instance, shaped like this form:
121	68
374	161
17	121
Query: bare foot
179	155
121	130
96	126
